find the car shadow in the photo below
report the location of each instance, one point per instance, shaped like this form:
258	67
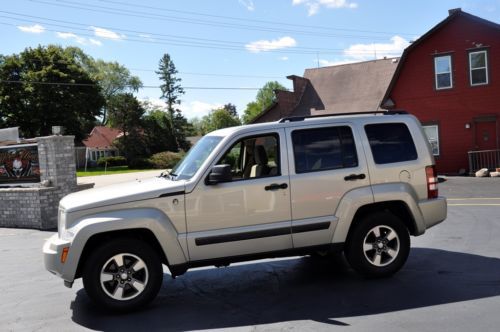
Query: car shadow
300	289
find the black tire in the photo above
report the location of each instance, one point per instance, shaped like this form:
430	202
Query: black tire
392	254
140	277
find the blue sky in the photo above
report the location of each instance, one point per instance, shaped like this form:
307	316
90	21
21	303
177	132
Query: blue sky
226	43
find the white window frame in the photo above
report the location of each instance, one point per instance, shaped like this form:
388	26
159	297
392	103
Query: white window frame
434	143
444	72
485	52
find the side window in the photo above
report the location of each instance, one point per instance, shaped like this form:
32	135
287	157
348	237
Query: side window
442	72
391	143
478	66
323	149
253	157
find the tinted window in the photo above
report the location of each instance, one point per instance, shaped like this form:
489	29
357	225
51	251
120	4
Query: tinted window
390	143
323	149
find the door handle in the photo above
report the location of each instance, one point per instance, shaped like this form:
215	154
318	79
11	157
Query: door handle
353	177
276	186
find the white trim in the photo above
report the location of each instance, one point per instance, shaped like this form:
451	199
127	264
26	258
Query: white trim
444	72
432	140
18	146
485	52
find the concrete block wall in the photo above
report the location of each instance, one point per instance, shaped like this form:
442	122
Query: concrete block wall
37	206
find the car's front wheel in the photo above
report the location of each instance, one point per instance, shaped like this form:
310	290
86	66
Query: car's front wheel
378	246
123	274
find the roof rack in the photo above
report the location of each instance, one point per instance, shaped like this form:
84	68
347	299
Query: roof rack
302	118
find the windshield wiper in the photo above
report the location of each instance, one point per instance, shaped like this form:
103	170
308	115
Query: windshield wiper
168	175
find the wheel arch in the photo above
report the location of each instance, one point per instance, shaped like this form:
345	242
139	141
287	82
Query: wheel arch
98	239
397	208
149	224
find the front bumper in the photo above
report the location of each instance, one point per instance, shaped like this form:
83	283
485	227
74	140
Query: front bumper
52	251
433	211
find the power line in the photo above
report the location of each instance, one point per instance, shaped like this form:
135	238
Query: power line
142	14
252	20
208	45
144	86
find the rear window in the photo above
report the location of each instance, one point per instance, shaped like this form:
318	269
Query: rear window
323	149
390	143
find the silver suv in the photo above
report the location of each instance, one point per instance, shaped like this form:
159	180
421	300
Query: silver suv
358	184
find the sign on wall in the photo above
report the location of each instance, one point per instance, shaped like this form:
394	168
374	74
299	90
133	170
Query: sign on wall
19	164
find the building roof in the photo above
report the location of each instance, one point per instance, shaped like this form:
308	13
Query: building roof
386	102
102	137
347	88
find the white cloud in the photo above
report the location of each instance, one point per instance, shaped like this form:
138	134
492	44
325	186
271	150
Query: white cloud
284	58
248	4
78	39
95	42
146	36
325	63
313	6
377	50
268	45
37	28
107	34
365	52
198	109
192	109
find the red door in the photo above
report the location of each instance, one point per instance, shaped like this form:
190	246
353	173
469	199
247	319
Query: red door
486	135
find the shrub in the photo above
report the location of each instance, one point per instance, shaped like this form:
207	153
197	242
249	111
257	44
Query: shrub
112	161
166	160
140	163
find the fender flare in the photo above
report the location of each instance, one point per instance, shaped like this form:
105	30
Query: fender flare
387	192
138	218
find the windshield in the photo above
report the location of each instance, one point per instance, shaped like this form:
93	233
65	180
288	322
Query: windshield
196	156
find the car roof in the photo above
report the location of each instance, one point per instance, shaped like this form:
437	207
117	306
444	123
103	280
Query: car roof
314	120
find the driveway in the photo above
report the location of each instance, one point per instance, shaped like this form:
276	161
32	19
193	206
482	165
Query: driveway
105	180
451	282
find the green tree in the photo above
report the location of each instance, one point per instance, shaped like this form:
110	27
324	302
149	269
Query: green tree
112	77
265	97
125	112
158	131
231	109
46	86
218	119
171	91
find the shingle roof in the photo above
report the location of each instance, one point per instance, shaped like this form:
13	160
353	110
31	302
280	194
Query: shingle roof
354	87
101	137
348	88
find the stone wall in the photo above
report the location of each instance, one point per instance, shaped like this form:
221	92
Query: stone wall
36	206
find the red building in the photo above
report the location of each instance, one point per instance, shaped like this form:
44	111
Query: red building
450	79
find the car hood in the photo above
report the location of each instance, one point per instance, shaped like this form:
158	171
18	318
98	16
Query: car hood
121	193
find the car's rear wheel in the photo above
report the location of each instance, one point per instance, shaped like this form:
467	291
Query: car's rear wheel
378	246
123	274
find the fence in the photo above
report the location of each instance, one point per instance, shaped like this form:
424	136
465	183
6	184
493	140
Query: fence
483	159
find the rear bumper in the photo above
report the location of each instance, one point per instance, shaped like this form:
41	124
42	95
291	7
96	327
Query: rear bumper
52	251
433	211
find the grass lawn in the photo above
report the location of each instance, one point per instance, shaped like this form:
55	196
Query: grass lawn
110	170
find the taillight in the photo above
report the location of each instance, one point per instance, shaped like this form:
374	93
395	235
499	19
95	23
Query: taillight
432	182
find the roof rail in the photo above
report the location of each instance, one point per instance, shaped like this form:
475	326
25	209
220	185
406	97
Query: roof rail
302	118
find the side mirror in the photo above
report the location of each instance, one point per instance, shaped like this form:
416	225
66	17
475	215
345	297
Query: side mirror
218	174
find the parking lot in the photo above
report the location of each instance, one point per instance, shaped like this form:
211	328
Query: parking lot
451	282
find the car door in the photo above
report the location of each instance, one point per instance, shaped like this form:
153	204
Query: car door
250	214
326	162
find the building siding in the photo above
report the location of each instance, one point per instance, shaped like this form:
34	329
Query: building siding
414	89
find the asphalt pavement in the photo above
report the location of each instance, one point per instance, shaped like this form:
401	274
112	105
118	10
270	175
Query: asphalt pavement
451	282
